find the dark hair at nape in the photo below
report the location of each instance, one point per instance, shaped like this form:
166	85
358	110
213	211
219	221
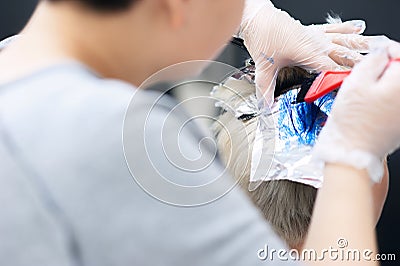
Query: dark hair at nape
104	5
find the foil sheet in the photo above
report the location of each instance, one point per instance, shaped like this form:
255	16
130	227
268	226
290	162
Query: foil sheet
295	130
285	135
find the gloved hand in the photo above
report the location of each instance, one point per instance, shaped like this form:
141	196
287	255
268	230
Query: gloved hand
364	125
276	40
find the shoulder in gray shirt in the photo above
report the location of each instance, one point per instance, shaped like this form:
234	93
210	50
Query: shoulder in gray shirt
68	198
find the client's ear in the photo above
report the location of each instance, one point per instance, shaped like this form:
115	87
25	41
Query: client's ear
289	77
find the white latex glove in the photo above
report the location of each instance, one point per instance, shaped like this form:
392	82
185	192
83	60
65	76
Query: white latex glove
276	40
364	125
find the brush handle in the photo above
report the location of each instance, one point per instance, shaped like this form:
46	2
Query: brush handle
328	81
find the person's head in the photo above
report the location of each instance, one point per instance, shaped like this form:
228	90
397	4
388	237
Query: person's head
158	33
285	204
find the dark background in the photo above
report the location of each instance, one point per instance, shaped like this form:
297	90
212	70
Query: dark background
381	17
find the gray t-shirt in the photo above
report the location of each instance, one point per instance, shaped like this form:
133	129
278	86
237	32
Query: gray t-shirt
67	196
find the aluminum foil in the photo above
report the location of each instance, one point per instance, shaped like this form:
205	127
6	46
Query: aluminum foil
285	135
295	130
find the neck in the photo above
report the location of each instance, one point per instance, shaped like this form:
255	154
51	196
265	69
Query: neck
65	31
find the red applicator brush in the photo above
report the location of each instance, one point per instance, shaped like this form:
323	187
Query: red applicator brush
327	81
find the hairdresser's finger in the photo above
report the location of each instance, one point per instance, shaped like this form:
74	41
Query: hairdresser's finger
394	50
359	43
344	56
321	63
371	68
392	73
348	27
391	78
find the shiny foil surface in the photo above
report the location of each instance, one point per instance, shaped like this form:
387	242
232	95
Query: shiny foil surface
286	134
